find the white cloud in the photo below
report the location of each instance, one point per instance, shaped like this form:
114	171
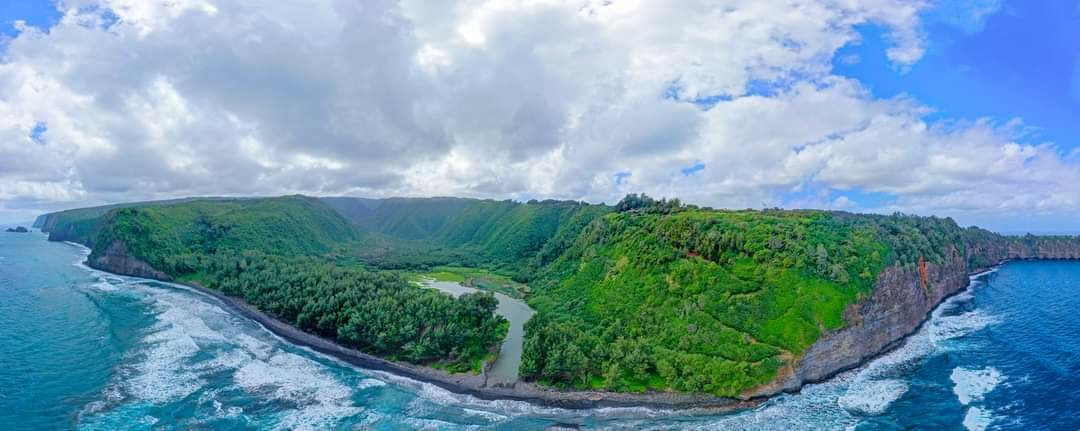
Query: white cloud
497	98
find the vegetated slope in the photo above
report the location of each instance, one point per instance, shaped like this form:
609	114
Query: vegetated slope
402	218
514	237
80	224
664	297
167	236
277	254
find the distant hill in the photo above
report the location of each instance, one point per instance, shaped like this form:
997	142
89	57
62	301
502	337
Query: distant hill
78	225
160	233
518	237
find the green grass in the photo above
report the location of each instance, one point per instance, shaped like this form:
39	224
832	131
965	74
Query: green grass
478	278
449	276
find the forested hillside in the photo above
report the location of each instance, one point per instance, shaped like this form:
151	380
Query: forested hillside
643	295
80	224
664	296
168	237
513	237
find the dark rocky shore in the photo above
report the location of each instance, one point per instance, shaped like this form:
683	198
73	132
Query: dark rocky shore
117	260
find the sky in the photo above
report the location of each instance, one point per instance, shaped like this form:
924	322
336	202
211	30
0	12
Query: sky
964	108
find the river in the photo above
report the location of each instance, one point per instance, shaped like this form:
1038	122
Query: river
83	349
505	368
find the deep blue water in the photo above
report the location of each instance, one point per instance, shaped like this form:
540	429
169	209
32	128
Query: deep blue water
81	349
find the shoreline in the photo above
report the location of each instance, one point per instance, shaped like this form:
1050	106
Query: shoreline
467	384
475	385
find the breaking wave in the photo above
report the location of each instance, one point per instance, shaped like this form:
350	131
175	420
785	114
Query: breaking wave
972	385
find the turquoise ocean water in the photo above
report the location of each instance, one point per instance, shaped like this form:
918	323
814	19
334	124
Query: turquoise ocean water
82	349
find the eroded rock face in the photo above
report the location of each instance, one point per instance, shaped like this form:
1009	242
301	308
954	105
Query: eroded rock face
899	303
896	307
116	259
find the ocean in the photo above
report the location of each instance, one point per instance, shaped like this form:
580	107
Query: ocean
83	349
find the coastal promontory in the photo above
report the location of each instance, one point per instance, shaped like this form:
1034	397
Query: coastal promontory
644	300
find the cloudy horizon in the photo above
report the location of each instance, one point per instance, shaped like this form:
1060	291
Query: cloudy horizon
925	107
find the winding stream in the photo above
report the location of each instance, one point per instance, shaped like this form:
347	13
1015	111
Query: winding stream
505	368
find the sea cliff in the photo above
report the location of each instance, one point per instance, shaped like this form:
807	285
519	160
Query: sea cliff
902	299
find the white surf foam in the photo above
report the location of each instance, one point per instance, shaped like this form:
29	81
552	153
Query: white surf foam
104	286
194	340
948	327
260	368
486	415
977	419
286	376
258	348
161	374
972	385
872	397
316	417
434	425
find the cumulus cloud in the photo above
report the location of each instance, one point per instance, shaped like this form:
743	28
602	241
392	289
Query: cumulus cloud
579	99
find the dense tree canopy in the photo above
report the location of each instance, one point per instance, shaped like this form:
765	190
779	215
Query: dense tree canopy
376	312
662	296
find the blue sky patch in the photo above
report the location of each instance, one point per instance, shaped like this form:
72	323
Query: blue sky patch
38	132
675	92
37	13
864	199
1021	61
693	169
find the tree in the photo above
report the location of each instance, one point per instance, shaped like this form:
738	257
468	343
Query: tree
822	259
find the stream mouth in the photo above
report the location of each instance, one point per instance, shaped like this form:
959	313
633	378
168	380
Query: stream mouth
505	369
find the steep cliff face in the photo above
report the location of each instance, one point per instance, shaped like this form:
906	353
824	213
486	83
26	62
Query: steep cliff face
47	222
118	260
897	306
901	300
